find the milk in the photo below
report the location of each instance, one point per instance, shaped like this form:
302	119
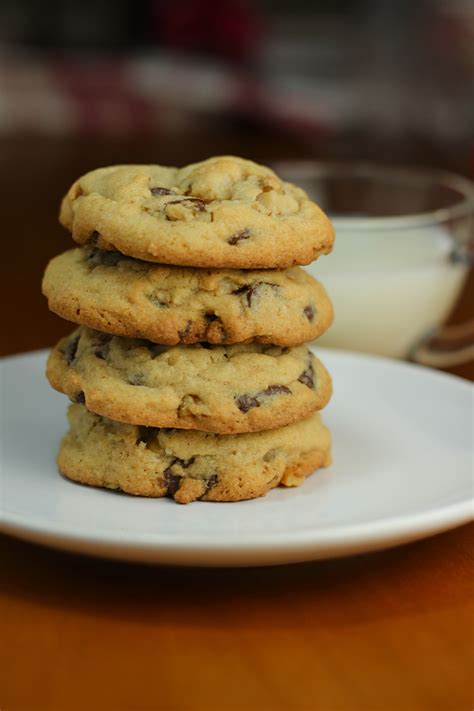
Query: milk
389	287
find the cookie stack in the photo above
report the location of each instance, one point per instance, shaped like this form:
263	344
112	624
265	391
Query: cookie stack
188	370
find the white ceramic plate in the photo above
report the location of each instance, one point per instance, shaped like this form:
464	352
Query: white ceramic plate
402	470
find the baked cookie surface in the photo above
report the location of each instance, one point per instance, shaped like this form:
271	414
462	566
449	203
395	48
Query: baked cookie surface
221	212
127	297
225	389
188	465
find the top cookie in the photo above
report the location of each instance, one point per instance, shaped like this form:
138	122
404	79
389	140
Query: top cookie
221	212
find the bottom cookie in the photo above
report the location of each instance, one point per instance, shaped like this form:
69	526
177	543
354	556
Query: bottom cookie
190	465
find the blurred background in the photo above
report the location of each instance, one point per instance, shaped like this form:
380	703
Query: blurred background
176	81
84	84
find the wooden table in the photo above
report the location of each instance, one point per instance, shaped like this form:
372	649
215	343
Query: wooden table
389	631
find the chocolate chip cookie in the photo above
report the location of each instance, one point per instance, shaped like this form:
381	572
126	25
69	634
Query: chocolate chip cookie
186	465
239	388
127	297
221	212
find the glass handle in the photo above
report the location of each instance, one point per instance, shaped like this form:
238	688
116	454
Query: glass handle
446	346
464	252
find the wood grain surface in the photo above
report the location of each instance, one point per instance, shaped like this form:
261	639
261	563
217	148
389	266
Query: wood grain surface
390	631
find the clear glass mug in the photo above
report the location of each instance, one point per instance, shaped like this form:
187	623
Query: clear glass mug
404	243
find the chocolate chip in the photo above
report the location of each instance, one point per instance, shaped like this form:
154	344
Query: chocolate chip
172	481
71	350
209	484
136	379
247	401
195	203
307	376
102	341
185	331
239	236
79	398
215	330
276	390
309	312
251	290
156	192
246	289
94	237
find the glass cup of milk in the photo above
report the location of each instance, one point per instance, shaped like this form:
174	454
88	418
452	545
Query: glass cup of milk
404	241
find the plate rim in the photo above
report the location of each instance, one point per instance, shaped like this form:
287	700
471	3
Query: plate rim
369	538
460	511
